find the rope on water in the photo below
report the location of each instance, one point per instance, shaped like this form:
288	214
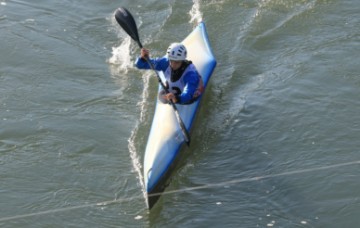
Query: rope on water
213	185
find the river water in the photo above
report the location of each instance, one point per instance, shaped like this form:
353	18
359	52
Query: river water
276	142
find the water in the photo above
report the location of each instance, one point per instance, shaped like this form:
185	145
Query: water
275	143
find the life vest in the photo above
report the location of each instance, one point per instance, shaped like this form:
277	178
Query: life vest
175	80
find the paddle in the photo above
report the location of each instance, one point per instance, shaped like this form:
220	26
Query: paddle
127	22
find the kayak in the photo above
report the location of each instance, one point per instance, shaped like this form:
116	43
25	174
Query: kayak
166	139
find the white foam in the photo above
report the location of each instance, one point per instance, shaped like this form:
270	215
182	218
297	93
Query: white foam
134	154
138	217
121	55
195	13
136	159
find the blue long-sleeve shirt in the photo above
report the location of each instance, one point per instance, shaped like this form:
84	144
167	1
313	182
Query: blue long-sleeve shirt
191	78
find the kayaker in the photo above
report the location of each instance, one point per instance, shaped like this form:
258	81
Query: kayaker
182	79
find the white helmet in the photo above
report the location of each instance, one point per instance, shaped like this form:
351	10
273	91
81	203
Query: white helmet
176	52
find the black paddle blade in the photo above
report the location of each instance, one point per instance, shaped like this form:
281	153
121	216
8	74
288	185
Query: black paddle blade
127	22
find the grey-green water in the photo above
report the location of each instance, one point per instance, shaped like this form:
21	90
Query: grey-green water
276	143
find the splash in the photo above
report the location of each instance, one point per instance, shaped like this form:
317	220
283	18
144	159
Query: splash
195	13
136	159
132	140
121	58
121	55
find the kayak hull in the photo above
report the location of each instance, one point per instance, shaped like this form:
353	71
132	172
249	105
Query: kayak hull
166	139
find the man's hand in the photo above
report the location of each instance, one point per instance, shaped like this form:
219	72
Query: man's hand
171	97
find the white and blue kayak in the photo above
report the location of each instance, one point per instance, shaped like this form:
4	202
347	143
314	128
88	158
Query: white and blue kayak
166	138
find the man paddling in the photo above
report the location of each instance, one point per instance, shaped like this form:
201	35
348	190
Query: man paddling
182	79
